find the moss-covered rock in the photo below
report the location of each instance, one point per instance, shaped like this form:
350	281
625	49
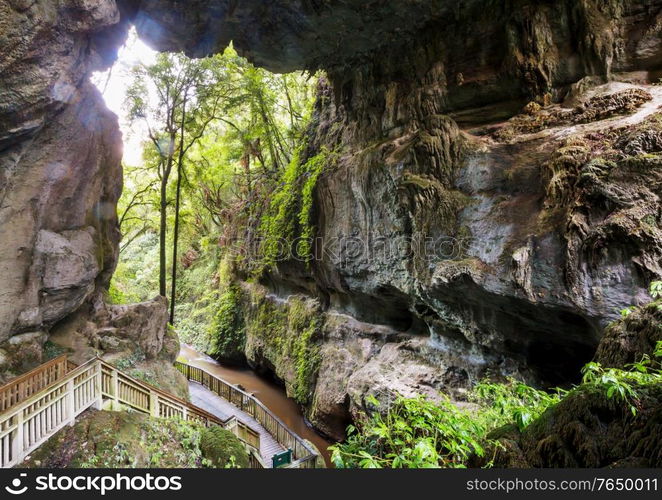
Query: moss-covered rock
128	439
283	336
222	448
586	429
627	340
227	334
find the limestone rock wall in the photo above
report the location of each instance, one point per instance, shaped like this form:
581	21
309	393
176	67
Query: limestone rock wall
538	244
60	153
483	246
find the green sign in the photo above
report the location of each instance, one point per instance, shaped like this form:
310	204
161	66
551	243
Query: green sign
282	458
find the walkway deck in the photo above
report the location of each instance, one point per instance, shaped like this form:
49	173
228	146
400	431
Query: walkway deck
214	404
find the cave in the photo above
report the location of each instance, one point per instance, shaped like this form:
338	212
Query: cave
524	132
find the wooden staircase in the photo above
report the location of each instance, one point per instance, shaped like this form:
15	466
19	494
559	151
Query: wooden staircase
34	406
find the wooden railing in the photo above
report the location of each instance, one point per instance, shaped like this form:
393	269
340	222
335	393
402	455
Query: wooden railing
29	423
31	416
122	390
305	457
21	388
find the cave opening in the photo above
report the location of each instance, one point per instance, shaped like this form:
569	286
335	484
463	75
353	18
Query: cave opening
559	364
208	142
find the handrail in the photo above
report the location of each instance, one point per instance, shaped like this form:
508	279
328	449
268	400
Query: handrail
159	403
28	423
304	456
24	386
167	397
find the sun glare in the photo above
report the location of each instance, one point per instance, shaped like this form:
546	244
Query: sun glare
113	85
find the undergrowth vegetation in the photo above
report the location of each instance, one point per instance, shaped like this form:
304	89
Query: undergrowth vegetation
110	439
416	432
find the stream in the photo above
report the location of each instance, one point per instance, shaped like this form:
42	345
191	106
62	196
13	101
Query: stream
267	391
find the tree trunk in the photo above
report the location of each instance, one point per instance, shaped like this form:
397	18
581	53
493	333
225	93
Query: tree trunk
163	228
180	162
162	237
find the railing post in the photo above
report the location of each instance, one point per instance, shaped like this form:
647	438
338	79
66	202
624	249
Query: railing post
98	404
18	444
71	403
153	404
115	389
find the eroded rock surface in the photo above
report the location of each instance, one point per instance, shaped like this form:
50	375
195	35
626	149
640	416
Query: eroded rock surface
60	152
486	247
134	337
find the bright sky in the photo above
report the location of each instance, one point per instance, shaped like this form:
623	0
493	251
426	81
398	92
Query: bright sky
114	93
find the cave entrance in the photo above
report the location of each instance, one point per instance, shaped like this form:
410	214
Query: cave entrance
209	144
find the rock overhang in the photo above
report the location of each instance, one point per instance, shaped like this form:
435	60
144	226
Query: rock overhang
284	35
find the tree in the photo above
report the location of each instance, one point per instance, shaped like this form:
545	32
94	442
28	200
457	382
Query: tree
220	133
177	98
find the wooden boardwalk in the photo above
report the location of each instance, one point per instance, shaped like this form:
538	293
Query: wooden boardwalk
223	409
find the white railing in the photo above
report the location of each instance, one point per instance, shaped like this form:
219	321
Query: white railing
29	423
36	416
305	457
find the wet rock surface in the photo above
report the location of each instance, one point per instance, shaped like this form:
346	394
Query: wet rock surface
480	252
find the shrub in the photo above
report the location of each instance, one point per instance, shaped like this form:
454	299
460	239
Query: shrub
413	433
222	448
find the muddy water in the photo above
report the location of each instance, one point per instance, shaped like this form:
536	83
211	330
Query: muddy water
268	392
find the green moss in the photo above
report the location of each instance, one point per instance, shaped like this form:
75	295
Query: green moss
228	337
128	439
53	350
303	324
222	448
288	216
314	168
129	361
285	334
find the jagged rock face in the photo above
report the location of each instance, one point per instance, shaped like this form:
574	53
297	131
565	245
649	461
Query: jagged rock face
283	35
60	152
489	251
133	337
508	252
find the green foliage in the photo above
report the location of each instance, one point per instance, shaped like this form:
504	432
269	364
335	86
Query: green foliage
222	448
413	433
302	326
227	328
53	350
514	401
288	216
419	433
129	439
287	334
244	154
656	289
137	273
314	168
626	311
416	432
624	385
